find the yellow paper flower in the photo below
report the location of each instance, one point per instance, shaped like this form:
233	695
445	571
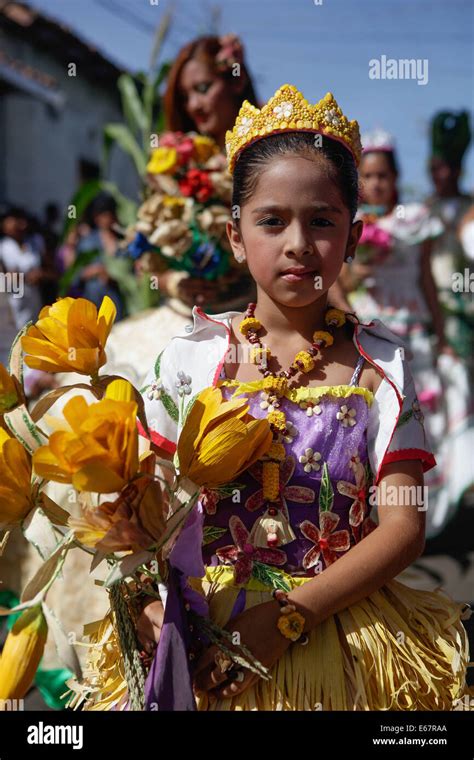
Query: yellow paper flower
99	449
15	481
70	336
135	520
220	439
162	161
8	391
291	625
204	148
22	653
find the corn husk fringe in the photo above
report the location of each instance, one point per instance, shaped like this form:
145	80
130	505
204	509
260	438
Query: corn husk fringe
398	649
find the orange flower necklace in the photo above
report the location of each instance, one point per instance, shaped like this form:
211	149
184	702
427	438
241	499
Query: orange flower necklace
273	528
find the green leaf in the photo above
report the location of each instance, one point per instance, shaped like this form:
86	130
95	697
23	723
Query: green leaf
212	533
126	208
167	401
121	270
369	476
158	365
228	489
269	576
160	122
326	493
151	97
189	406
121	135
403	419
131	104
135	290
161	34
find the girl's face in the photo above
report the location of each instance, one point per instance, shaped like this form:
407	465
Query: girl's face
207	99
295	227
377	180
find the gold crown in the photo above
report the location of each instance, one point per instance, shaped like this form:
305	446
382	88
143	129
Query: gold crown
289	111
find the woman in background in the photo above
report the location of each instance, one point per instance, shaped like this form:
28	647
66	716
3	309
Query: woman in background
391	279
206	86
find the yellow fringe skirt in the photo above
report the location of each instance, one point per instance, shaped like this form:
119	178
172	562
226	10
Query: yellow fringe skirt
398	649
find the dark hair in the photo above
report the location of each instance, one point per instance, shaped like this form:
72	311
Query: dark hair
338	159
15	212
202	49
103	203
392	163
390	155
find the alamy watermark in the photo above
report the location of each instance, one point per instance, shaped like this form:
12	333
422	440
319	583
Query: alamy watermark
42	733
462	282
399	68
398	496
12	282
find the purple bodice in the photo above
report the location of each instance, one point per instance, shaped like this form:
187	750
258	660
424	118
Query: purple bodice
324	482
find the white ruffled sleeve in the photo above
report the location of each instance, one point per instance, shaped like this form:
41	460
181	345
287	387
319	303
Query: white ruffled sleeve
162	402
396	431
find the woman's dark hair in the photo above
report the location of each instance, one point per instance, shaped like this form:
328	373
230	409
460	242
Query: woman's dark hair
202	49
332	154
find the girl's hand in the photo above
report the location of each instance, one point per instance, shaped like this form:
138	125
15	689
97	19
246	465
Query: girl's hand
259	633
149	624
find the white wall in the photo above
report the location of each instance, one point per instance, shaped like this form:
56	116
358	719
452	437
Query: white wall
43	145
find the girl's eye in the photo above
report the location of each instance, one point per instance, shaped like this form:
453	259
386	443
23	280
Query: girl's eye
203	87
318	220
269	221
323	222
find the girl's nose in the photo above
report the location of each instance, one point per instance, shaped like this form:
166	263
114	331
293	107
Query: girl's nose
298	244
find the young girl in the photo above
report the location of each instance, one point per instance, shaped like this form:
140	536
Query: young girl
413	313
295	559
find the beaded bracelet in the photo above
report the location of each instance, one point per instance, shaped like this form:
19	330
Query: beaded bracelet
290	623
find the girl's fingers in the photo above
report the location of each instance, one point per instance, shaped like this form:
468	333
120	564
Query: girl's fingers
208	674
217	677
235	687
209	677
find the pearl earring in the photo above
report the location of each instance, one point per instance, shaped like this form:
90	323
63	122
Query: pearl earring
240	258
349	259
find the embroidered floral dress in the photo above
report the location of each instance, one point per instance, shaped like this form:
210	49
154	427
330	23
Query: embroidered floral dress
324	486
399	648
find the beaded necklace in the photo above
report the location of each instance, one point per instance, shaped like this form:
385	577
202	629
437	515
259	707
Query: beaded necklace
273	528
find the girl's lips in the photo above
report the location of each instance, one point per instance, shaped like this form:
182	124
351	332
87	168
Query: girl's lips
293	277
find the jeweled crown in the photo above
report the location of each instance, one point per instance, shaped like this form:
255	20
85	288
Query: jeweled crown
289	111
